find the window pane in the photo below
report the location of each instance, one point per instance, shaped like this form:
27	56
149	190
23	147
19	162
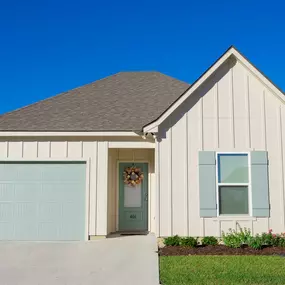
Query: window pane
132	196
233	200
233	168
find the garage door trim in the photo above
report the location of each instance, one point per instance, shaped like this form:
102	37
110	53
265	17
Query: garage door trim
87	179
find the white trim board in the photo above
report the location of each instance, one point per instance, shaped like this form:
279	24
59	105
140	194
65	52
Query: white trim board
68	134
140	145
230	52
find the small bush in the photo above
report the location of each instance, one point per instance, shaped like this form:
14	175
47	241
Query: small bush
270	239
244	235
189	241
172	241
256	242
276	240
267	239
232	239
209	241
236	239
281	242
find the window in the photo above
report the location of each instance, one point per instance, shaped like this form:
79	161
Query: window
233	183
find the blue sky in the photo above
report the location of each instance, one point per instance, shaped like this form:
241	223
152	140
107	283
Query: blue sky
47	47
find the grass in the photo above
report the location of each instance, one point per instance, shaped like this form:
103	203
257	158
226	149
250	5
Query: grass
182	270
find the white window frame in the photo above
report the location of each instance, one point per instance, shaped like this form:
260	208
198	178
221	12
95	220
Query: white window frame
234	184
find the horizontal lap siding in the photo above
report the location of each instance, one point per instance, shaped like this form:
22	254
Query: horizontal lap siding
97	152
234	111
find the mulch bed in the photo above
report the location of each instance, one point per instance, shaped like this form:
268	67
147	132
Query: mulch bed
219	250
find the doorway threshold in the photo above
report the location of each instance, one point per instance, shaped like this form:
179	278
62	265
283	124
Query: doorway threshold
128	233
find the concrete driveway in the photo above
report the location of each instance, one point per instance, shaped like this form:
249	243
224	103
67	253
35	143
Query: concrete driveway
121	260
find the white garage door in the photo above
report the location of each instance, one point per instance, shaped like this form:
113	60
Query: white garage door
42	200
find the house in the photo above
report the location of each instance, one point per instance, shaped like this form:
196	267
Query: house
141	151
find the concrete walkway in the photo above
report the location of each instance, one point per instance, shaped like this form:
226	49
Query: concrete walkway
128	260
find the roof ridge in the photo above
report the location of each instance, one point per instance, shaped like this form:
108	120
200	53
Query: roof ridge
57	95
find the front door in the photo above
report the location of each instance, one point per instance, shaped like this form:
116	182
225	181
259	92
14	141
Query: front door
133	199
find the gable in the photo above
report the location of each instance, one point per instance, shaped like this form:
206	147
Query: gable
232	109
229	59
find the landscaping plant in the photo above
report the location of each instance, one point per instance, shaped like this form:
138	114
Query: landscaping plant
236	239
233	239
244	235
256	242
209	240
281	241
172	241
269	239
189	241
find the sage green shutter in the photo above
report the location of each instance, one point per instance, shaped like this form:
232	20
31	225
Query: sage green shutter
207	183
259	184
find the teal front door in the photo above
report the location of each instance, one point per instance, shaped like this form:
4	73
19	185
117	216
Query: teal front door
133	200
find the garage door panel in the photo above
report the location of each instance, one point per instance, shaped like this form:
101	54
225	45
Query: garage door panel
49	206
8	172
6	212
50	211
26	172
6	230
11	212
61	192
51	192
27	230
69	230
25	211
7	192
19	172
75	173
26	192
69	212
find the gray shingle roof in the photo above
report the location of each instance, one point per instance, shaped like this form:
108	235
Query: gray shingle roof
126	101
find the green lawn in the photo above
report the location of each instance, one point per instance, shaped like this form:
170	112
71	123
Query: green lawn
182	270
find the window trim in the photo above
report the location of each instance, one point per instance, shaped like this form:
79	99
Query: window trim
234	184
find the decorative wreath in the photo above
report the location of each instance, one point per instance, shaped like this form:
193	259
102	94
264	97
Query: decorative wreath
133	176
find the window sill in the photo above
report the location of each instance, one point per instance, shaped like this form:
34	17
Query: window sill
234	218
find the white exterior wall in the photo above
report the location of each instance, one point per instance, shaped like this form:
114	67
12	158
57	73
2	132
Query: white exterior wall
232	111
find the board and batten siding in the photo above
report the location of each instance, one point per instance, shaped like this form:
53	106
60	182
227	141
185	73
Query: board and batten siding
232	111
94	151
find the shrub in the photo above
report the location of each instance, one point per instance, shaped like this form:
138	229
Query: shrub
244	235
189	241
209	241
172	241
281	241
267	238
271	239
236	239
256	242
276	240
231	240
